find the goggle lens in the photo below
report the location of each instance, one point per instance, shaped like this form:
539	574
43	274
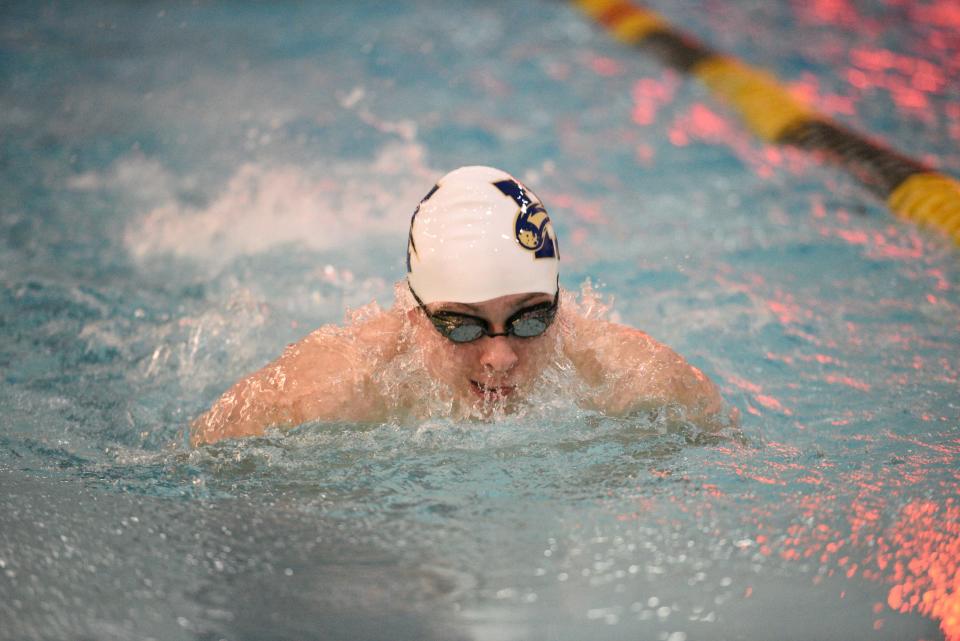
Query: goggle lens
466	331
462	328
530	327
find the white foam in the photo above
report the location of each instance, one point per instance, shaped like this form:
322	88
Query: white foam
262	207
136	177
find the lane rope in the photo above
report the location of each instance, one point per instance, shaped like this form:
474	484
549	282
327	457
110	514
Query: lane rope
911	189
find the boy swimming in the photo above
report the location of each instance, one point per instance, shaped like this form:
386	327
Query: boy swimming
477	327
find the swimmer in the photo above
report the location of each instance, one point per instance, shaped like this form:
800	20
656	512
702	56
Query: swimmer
478	322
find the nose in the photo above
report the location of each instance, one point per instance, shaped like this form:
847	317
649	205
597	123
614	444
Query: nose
498	355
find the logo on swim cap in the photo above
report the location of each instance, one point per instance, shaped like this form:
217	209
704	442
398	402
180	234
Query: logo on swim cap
532	226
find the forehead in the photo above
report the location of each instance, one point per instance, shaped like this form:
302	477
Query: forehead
495	306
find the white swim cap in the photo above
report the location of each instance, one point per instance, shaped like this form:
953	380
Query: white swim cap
480	234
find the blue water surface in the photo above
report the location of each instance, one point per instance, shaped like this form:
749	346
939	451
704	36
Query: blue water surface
187	187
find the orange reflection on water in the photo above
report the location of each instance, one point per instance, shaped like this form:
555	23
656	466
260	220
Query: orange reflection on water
759	396
914	547
701	124
829	11
650	94
876	523
923	549
604	66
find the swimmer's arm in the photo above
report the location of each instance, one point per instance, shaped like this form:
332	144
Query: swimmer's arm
324	377
629	371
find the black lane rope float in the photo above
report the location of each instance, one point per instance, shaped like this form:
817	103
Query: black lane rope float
910	188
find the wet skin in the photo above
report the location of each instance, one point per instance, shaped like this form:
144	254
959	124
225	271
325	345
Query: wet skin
489	368
334	373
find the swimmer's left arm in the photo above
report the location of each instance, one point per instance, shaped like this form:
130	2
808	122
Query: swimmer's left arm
629	371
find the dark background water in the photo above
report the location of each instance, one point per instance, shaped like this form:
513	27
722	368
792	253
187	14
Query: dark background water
185	188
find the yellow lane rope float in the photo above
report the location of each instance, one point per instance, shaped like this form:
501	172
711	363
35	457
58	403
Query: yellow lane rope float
911	189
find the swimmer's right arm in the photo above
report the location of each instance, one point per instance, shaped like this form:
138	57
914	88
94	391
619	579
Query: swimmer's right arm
324	377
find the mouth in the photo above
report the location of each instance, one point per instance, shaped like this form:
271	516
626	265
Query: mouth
491	391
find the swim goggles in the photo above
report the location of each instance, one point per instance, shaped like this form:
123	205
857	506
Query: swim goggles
463	328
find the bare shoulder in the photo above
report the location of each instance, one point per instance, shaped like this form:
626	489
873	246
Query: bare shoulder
328	372
626	369
324	376
600	347
360	346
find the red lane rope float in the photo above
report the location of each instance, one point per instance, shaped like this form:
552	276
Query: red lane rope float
910	188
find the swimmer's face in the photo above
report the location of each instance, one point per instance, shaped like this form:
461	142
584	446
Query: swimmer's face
497	369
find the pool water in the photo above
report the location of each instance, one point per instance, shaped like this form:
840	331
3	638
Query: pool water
188	187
